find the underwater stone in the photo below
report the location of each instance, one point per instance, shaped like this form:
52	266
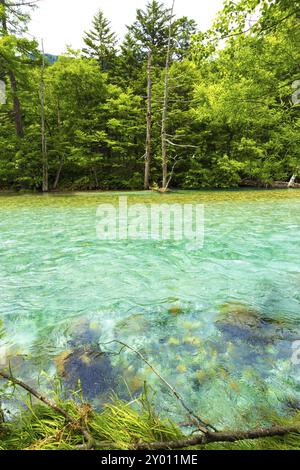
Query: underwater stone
84	332
238	314
192	341
135	381
237	320
89	366
201	375
175	310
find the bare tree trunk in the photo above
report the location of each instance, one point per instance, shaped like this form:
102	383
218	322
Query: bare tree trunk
293	179
164	150
95	177
62	159
17	112
149	123
17	106
43	127
61	164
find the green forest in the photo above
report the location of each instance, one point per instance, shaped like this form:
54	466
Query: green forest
149	227
168	106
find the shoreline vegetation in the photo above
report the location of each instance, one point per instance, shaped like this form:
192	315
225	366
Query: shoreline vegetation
74	425
71	423
276	186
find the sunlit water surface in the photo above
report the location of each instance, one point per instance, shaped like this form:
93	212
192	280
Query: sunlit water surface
218	322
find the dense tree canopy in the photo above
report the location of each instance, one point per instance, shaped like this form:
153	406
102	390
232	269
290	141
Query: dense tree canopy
231	118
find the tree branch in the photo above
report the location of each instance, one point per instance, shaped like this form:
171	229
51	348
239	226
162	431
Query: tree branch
202	426
220	437
88	438
182	145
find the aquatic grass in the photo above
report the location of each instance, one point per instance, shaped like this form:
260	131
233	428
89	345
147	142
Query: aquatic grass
120	425
123	426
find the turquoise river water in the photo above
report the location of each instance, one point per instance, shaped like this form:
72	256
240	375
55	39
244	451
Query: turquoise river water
218	321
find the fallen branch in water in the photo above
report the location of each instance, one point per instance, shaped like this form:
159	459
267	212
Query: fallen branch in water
183	442
219	437
202	425
88	438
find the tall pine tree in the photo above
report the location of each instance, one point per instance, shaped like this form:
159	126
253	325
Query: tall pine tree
101	42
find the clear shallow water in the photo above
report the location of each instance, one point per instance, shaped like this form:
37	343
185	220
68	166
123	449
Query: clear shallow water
217	322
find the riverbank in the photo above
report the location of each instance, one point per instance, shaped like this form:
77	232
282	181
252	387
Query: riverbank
248	185
121	426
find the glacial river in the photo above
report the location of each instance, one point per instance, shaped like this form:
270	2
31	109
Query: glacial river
219	320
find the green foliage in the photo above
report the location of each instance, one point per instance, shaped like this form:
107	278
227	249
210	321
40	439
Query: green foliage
231	120
101	42
151	27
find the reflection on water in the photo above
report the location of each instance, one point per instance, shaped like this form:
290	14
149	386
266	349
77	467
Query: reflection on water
217	322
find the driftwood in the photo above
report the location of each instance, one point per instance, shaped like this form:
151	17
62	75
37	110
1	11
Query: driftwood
226	436
285	184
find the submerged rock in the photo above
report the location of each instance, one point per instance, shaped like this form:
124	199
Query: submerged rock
84	332
176	309
91	367
238	314
134	380
237	320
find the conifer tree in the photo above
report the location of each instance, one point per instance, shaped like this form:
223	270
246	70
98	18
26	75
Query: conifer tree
150	29
101	42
